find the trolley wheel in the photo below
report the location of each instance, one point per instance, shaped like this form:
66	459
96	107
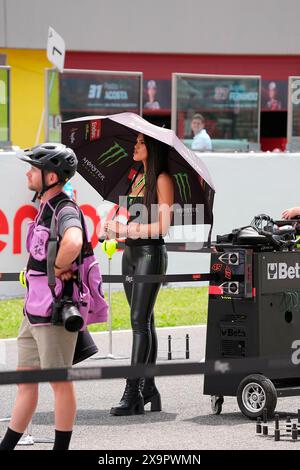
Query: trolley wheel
256	392
216	404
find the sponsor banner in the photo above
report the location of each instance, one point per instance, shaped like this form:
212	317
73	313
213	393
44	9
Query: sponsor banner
226	94
96	93
229	105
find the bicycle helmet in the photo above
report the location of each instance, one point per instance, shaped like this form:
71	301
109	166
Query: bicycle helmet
54	157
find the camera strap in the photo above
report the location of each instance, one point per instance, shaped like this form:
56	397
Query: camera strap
52	250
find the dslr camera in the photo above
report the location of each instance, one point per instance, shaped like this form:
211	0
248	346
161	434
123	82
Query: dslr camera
65	312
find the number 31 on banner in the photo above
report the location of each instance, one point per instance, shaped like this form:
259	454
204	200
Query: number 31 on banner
56	49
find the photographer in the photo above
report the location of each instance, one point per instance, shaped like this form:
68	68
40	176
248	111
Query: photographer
42	344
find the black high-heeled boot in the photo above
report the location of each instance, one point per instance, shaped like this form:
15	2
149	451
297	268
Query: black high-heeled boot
151	394
132	402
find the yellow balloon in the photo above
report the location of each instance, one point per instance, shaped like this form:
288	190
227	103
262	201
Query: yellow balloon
22	278
109	247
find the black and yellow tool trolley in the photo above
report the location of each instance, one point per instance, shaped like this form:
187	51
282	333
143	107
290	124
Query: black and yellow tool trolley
257	317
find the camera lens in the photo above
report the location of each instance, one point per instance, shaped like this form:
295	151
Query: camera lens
71	317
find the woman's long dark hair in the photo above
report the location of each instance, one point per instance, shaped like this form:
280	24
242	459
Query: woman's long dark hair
157	163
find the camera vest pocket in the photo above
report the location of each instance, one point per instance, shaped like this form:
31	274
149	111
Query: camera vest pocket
39	243
39	298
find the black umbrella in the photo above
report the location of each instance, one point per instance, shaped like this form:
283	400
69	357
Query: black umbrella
104	147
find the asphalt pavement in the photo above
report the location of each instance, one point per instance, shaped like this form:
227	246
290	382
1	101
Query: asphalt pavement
186	421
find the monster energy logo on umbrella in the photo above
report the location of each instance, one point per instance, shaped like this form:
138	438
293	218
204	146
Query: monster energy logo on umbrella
182	180
112	156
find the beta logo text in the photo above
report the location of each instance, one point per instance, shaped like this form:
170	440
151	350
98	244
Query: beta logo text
283	271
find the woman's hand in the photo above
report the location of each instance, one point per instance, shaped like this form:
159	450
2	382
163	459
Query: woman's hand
291	213
113	229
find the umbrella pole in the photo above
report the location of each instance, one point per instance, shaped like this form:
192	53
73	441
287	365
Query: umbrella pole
110	354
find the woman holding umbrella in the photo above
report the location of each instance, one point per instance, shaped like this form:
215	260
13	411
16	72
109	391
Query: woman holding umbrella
145	253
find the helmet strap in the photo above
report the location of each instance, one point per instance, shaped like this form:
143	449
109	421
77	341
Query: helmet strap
35	197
